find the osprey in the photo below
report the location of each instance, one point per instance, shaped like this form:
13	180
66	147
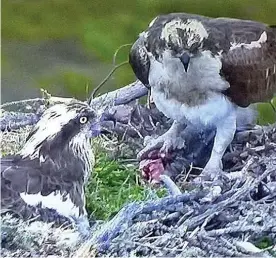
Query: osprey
46	178
201	71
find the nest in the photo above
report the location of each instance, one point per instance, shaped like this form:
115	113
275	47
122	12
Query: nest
234	224
240	222
21	238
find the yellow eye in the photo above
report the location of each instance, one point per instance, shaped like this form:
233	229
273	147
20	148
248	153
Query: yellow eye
83	119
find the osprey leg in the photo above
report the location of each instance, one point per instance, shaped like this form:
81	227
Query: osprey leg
225	131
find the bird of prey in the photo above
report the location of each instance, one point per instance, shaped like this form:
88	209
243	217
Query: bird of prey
201	71
46	178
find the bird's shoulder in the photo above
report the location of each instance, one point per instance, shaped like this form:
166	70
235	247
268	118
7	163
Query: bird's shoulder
226	34
247	50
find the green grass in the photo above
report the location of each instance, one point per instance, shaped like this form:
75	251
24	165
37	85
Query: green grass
266	113
112	185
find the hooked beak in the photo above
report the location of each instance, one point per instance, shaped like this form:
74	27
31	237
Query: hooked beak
95	129
185	59
99	127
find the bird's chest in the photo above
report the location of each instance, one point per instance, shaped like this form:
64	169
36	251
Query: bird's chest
208	113
192	87
193	95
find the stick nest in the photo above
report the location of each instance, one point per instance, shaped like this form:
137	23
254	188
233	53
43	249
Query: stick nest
240	222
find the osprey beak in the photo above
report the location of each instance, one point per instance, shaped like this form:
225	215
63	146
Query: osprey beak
101	125
95	129
185	59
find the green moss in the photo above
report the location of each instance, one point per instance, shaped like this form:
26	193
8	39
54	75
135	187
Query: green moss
265	242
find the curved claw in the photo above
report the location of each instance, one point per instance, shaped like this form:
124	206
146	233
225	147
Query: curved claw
165	143
152	145
167	146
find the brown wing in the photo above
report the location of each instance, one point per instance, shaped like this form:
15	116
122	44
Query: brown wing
251	69
10	199
27	176
139	60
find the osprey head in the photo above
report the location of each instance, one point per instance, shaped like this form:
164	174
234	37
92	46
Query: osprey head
168	36
61	126
183	38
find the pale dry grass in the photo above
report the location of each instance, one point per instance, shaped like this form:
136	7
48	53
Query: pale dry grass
12	142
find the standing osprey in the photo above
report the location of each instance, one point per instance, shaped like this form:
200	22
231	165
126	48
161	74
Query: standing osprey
201	70
46	178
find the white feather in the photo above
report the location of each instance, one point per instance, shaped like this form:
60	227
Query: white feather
48	126
82	148
203	73
194	30
53	201
252	44
216	108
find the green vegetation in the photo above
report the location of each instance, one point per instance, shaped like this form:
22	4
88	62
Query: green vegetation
113	185
264	243
267	113
77	84
102	26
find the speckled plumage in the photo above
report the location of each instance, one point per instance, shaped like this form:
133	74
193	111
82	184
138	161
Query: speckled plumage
202	70
50	171
249	69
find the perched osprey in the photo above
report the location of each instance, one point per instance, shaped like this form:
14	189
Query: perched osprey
201	70
46	178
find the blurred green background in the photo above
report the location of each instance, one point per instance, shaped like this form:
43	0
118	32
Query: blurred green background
66	46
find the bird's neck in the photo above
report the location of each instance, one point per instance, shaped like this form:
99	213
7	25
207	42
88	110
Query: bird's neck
82	150
76	157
